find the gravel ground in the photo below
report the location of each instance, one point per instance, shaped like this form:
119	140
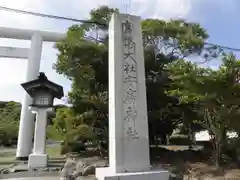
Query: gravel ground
29	174
52	172
49	178
47	175
35	178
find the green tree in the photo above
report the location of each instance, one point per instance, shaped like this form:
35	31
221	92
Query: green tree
83	58
9	121
215	94
69	126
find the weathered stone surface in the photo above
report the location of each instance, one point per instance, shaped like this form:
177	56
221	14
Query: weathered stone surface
76	174
12	170
68	169
77	167
70	163
5	171
90	170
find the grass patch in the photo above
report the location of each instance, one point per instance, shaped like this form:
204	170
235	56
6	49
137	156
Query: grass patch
10	156
7	157
54	152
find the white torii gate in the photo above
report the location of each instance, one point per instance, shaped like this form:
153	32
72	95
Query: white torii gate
33	55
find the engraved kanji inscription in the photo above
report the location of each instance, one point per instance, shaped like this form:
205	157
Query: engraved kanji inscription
130	82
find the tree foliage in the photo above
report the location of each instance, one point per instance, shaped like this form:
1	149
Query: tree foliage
215	94
83	58
9	121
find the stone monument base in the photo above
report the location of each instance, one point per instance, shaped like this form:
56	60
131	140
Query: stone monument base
38	160
107	174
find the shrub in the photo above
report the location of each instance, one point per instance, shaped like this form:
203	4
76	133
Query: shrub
179	140
231	149
65	149
75	147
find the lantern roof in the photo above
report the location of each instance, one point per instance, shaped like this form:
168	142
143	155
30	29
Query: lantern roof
42	83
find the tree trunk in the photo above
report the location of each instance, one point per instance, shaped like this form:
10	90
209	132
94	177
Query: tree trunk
218	154
156	141
190	138
168	139
193	138
224	136
164	140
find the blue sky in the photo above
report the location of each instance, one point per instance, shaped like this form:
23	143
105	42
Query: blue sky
218	17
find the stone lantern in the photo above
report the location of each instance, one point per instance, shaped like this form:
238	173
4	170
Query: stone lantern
43	93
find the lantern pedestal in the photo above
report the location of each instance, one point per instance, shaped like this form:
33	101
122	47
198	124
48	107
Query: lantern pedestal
39	158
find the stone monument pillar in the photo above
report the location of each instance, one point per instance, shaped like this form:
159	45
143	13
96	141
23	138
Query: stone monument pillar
128	121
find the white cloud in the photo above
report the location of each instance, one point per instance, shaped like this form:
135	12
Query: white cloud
164	9
148	8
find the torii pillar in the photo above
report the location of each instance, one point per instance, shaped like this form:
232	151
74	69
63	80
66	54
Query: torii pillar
33	54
